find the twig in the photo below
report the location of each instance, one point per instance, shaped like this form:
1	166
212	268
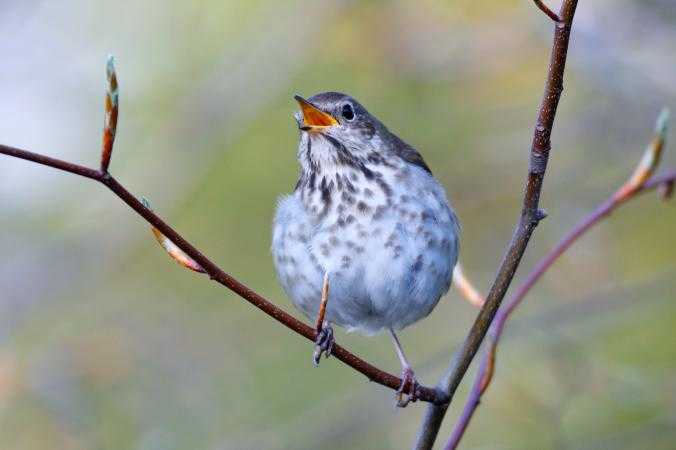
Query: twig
545	9
167	235
217	274
530	216
639	182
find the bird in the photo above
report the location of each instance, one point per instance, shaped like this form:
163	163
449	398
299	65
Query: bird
367	240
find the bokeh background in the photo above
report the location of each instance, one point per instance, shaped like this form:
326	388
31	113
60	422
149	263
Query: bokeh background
105	343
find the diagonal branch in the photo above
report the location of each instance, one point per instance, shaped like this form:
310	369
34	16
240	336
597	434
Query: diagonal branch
639	182
530	217
189	256
217	274
545	9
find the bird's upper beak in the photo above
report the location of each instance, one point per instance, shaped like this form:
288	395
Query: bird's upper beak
314	119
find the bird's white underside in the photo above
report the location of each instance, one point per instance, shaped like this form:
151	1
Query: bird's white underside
385	271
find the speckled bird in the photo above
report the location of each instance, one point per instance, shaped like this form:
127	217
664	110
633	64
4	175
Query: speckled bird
368	218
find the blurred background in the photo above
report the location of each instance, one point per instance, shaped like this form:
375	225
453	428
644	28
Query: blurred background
105	343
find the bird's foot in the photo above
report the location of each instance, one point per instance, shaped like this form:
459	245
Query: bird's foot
408	391
323	343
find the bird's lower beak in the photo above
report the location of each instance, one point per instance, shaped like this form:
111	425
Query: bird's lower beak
314	119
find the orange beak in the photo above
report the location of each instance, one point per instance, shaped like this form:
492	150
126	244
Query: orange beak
314	118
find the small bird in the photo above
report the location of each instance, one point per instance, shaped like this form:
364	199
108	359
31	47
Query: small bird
366	218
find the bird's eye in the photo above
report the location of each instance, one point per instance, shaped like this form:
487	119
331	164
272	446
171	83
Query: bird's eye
348	112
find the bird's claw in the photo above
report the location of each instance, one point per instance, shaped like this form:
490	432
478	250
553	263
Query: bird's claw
323	344
410	395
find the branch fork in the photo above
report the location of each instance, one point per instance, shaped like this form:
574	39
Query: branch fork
528	220
545	9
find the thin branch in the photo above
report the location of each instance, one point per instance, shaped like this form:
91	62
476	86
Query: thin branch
530	216
188	256
639	182
52	162
217	274
545	9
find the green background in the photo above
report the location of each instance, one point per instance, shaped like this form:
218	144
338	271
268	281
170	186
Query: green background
106	343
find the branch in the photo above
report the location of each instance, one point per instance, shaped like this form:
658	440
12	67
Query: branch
545	9
185	253
638	183
530	216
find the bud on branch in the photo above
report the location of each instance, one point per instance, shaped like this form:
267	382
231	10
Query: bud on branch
110	120
172	249
650	160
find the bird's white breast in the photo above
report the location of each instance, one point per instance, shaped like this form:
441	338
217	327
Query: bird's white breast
389	244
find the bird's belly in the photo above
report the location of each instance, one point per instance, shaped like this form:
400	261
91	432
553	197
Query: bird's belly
389	260
389	278
386	274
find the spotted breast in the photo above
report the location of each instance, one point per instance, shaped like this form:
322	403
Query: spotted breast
367	211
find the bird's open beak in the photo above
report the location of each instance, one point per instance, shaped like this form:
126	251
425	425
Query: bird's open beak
314	119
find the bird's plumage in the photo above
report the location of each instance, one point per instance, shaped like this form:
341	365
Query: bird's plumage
367	210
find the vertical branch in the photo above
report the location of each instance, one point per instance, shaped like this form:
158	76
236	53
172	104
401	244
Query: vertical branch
530	216
111	111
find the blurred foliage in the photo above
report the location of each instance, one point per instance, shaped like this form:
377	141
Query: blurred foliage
106	343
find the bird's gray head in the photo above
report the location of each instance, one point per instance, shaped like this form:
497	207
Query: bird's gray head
337	131
335	126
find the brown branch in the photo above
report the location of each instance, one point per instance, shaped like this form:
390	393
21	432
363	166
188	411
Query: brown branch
217	274
639	182
545	9
530	216
187	255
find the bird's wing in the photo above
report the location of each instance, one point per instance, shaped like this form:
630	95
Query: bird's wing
409	154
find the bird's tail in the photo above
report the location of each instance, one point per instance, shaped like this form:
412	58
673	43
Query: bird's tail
466	288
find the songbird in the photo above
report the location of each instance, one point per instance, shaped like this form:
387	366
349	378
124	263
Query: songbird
366	218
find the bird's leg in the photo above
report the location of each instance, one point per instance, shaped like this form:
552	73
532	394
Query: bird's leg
324	340
407	392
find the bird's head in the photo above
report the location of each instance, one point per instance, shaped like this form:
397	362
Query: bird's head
337	132
335	125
